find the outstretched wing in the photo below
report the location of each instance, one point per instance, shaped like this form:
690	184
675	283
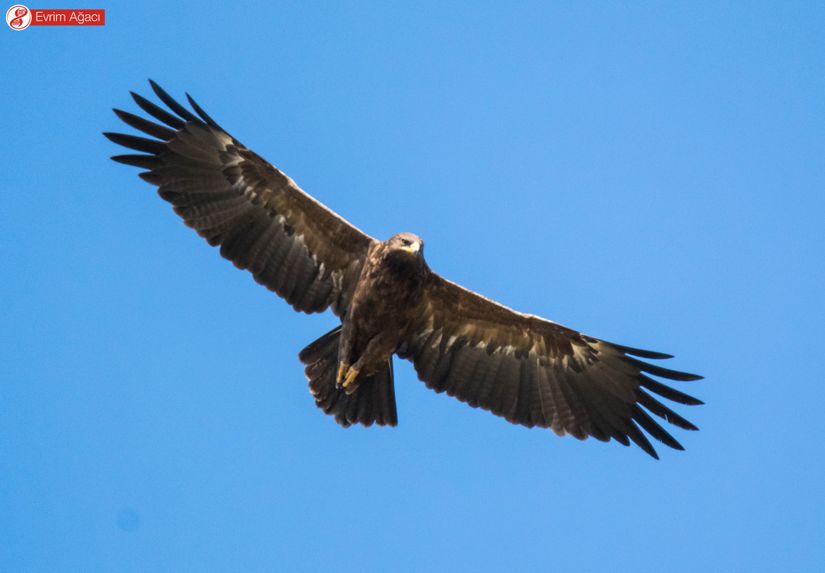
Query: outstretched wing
535	372
262	220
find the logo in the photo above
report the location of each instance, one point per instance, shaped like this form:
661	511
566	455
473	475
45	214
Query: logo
18	17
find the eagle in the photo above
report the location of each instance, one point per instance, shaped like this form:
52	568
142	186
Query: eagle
526	369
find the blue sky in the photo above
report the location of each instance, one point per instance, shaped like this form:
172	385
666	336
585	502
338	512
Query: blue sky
650	173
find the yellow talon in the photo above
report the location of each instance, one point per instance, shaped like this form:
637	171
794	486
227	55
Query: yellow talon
342	372
349	382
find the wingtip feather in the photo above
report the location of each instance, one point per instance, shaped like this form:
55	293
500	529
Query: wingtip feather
172	103
199	110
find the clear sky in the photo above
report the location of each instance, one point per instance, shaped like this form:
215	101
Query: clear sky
649	173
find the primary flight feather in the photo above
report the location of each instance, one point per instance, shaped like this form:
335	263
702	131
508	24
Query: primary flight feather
527	369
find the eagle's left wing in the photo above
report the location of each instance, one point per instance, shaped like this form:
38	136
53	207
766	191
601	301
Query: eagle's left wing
260	218
535	372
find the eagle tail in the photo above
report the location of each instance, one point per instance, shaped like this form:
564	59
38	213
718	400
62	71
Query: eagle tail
372	402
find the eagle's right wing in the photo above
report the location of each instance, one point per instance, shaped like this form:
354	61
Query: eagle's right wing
535	372
262	220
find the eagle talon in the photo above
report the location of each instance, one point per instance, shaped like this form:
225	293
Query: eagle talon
349	384
343	367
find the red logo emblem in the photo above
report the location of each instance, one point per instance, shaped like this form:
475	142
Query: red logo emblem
18	17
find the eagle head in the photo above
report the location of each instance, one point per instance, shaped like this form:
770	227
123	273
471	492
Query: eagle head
406	243
402	256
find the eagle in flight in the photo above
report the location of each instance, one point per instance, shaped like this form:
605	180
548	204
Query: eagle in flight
526	369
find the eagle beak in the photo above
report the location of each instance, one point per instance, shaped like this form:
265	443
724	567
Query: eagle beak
413	248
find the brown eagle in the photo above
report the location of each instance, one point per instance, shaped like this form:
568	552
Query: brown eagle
526	369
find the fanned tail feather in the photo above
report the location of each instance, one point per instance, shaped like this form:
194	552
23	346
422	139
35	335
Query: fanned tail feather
372	402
